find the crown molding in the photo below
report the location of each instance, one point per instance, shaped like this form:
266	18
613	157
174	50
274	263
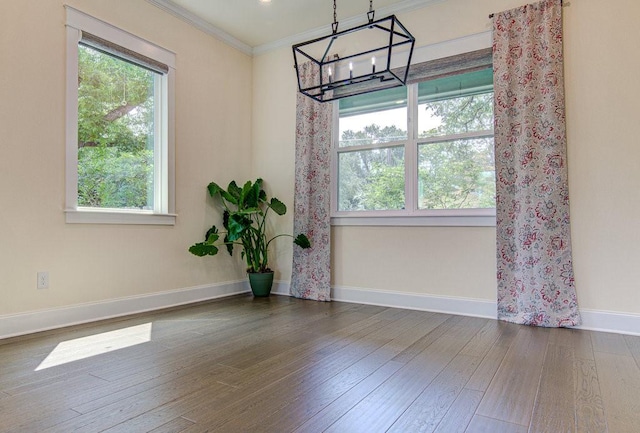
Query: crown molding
192	19
347	23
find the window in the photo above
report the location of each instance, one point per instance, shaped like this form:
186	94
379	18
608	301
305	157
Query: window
119	126
418	155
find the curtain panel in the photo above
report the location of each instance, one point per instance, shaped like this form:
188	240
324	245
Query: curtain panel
535	271
311	273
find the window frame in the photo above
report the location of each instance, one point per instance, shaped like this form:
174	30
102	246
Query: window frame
164	147
411	215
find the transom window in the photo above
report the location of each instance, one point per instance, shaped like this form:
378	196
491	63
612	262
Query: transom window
424	150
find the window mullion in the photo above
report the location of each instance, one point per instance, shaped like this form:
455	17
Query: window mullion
452	137
386	145
411	151
159	202
335	142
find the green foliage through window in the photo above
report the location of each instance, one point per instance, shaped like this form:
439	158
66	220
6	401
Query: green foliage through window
115	132
454	144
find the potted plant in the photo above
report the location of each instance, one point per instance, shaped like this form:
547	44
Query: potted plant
244	223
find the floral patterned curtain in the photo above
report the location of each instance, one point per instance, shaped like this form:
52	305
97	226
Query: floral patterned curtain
311	277
535	272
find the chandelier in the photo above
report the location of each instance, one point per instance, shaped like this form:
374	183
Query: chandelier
363	59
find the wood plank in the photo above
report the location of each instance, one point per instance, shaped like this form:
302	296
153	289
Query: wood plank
610	343
555	408
481	343
582	345
163	411
46	403
41	422
216	345
491	362
119	392
633	342
576	339
380	409
430	407
419	346
481	424
295	385
260	381
320	421
119	411
402	334
256	378
619	378
174	426
461	412
512	392
589	409
283	364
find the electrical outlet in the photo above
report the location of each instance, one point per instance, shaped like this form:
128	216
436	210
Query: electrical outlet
43	280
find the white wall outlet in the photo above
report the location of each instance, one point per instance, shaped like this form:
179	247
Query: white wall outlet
43	280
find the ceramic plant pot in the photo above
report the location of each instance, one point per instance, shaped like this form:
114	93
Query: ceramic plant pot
260	283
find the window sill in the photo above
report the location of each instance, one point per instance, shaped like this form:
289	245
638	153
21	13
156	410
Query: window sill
114	216
486	220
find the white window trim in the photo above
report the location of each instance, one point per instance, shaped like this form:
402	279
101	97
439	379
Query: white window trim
165	211
413	217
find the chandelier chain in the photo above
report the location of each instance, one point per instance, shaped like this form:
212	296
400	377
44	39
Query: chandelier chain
371	14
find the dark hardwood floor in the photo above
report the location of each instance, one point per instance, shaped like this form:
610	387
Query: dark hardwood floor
286	365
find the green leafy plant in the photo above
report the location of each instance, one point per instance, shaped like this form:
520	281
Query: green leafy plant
244	222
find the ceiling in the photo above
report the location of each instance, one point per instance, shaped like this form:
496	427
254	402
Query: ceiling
254	26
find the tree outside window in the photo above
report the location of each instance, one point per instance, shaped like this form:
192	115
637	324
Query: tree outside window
115	132
452	147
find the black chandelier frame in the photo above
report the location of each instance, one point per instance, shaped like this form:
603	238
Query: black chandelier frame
326	88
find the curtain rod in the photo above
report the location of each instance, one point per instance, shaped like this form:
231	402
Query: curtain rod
561	4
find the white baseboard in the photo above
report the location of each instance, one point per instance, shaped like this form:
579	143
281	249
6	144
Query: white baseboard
43	320
610	321
593	320
416	301
281	288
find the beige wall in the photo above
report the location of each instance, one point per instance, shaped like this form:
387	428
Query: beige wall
91	263
602	61
226	129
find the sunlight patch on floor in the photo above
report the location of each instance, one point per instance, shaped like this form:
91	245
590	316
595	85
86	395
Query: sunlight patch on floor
86	347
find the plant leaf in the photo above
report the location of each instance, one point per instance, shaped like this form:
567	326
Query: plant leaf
228	244
238	224
248	211
253	195
212	230
277	206
302	241
232	194
214	189
228	197
202	249
225	220
212	238
242	201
